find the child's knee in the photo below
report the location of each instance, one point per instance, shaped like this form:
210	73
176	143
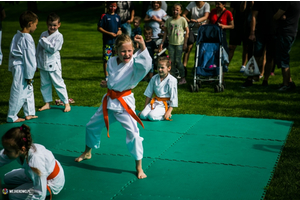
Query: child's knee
154	117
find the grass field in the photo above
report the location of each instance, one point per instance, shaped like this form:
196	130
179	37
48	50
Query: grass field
82	72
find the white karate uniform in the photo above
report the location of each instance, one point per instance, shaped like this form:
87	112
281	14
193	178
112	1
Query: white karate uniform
121	77
22	64
44	161
48	61
163	89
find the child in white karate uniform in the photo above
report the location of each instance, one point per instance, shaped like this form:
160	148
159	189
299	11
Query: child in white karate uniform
125	71
41	173
48	61
164	87
22	64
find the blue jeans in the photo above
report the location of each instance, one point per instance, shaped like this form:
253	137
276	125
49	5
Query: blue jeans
126	29
175	53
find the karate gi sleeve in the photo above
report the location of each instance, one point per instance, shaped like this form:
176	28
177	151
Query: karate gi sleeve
173	93
142	64
149	90
39	182
54	46
4	159
29	59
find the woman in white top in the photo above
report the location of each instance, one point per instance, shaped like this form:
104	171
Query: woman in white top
41	174
199	13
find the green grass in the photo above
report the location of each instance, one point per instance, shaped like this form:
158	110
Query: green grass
82	72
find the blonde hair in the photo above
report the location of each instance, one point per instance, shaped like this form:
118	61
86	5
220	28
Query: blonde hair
122	39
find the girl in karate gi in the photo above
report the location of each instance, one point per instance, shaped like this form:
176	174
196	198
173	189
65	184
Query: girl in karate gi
22	64
41	174
164	87
125	71
48	60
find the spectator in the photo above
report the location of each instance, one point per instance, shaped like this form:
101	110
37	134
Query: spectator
110	26
241	11
287	17
126	11
175	27
154	17
137	29
263	34
199	13
223	18
2	16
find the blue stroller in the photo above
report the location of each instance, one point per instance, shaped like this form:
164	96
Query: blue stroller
211	58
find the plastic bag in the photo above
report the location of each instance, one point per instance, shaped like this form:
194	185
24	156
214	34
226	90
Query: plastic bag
252	68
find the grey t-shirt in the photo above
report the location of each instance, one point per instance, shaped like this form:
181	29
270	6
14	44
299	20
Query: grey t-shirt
197	12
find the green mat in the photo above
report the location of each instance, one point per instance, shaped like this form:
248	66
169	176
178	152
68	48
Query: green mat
191	157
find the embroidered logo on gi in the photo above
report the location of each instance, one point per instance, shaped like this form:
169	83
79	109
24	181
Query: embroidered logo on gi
5	191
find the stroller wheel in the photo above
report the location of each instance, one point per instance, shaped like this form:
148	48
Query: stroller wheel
197	88
217	88
199	84
222	88
192	88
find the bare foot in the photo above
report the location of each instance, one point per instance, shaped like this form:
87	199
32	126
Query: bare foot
45	107
84	156
67	108
19	120
29	117
141	174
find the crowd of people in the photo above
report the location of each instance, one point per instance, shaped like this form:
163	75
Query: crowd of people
266	29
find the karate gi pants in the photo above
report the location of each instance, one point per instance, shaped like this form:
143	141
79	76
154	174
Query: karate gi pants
21	95
19	177
157	114
133	139
53	77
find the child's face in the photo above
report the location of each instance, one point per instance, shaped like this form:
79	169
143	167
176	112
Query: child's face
148	35
176	11
155	5
33	26
125	52
10	152
163	69
136	23
53	26
112	8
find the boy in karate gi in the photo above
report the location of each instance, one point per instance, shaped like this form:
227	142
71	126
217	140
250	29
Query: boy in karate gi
125	71
22	64
164	86
48	61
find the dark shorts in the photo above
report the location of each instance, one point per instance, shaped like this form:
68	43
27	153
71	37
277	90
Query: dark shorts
283	47
262	42
108	51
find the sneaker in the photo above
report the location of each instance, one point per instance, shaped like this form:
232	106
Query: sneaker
284	88
242	69
247	83
182	81
265	83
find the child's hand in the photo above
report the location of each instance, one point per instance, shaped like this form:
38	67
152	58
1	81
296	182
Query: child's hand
167	115
113	35
139	39
103	84
119	32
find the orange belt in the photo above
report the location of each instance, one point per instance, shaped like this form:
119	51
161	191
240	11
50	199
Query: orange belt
164	100
118	95
52	176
